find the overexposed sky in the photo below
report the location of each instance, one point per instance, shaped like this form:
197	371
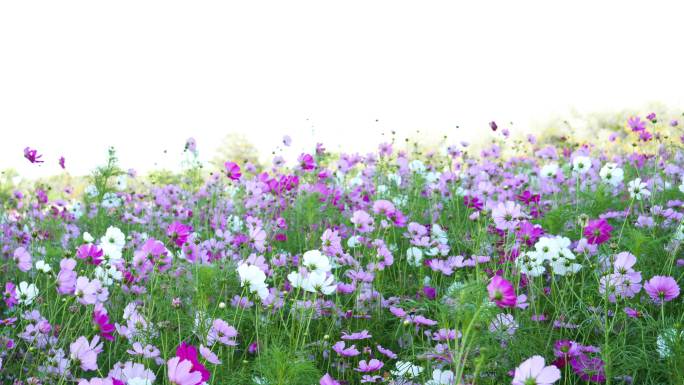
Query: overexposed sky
78	76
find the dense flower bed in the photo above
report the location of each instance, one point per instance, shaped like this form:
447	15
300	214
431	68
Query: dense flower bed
527	263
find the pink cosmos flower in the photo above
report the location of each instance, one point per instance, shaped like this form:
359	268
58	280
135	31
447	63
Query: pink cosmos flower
66	278
209	355
507	215
32	155
222	332
10	295
662	289
340	349
328	380
534	372
180	372
502	292
306	162
370	366
23	259
362	221
86	290
233	170
356	336
85	353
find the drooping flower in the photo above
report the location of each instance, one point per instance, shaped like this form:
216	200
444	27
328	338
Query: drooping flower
533	371
32	155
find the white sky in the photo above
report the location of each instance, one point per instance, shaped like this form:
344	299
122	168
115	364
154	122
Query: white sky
78	76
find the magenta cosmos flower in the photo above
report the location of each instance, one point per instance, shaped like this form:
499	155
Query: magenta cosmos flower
101	321
90	253
178	233
597	231
188	352
32	155
233	170
534	372
501	292
662	289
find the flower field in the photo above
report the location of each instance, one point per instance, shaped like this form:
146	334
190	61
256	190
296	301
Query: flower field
526	261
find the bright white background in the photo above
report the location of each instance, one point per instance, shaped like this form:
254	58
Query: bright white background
78	76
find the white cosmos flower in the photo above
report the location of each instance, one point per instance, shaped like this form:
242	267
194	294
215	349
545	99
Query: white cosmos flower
406	369
138	381
91	191
87	237
107	274
394	178
121	182
76	209
581	164
417	166
296	279
353	241
26	293
547	247
531	263
549	170
254	278
319	283
112	243
42	266
612	174
111	200
441	377
637	189
414	256
315	261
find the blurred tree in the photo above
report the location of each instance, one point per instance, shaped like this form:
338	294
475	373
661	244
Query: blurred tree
236	148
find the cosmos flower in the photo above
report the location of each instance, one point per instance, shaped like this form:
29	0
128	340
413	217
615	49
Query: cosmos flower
637	189
23	259
180	372
233	170
597	231
26	293
662	289
32	155
179	233
501	292
533	371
